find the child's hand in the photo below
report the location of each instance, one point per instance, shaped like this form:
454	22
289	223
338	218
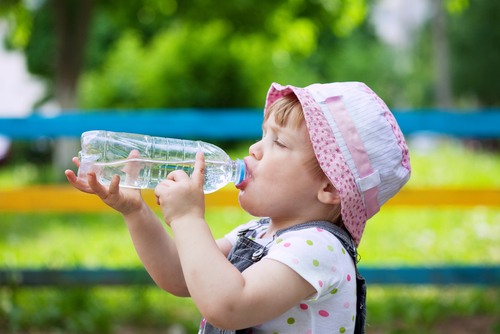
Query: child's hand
180	196
122	200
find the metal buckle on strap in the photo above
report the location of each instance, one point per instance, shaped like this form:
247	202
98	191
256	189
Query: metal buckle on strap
243	232
248	229
258	255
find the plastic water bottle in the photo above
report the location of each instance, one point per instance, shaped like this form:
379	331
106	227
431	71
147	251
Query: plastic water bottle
143	161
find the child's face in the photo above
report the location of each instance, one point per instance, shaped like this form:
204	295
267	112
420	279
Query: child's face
280	186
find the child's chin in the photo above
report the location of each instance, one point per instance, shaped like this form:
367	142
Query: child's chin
247	204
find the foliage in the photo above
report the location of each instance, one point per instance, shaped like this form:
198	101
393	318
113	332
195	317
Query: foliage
217	60
20	20
119	309
164	73
193	53
290	26
475	53
297	51
173	71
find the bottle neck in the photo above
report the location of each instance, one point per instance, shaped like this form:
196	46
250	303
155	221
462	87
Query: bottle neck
238	171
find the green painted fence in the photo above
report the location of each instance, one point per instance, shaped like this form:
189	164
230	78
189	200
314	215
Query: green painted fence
489	276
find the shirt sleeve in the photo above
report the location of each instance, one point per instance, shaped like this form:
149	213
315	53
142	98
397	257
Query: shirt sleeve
317	256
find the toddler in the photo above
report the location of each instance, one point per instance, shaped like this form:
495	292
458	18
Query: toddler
329	157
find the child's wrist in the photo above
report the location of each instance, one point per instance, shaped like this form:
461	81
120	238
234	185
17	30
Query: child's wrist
142	210
187	220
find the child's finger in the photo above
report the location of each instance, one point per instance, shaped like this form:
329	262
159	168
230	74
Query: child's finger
199	169
177	175
159	190
76	162
132	168
70	175
98	188
114	186
77	183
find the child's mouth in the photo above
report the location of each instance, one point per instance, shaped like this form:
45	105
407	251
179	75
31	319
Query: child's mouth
243	183
248	176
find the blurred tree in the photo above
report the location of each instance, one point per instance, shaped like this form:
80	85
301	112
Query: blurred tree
475	51
201	55
54	34
196	53
72	24
440	47
155	53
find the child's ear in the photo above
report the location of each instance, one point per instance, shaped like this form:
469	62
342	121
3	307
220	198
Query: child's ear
328	194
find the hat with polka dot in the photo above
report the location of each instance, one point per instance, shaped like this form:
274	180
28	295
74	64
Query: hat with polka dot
358	144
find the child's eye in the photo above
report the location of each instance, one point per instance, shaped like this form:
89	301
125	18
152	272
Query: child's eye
279	143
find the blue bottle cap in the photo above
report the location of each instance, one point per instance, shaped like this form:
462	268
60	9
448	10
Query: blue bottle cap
243	169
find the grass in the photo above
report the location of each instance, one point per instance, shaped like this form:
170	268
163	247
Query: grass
448	163
432	237
94	310
422	309
392	309
394	237
401	236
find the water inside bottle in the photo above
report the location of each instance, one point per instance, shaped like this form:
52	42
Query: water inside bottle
147	174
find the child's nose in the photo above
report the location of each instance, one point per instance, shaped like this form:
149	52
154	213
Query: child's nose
255	150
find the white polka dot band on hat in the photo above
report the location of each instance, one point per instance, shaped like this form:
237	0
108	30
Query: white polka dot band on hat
358	144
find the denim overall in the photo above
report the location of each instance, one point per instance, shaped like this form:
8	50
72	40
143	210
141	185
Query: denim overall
247	252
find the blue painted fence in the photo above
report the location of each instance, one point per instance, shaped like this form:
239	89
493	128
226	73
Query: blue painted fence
228	124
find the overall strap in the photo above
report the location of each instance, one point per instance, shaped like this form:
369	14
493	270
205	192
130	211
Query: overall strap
348	243
250	231
341	234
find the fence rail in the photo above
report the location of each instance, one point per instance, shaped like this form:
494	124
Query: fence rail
68	199
228	124
487	276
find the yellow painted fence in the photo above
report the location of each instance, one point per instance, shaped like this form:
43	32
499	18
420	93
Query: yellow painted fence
67	199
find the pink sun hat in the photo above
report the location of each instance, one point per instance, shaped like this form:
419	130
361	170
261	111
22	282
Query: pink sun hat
358	144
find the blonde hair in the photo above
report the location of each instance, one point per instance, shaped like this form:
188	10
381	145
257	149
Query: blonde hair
287	112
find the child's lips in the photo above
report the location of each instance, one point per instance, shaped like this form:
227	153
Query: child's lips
243	183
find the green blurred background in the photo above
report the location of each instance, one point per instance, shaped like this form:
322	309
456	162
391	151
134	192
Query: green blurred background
138	55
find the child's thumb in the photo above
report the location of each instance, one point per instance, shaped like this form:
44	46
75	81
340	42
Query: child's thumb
199	169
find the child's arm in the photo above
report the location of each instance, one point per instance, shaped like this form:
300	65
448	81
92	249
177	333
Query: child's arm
227	298
158	252
145	228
